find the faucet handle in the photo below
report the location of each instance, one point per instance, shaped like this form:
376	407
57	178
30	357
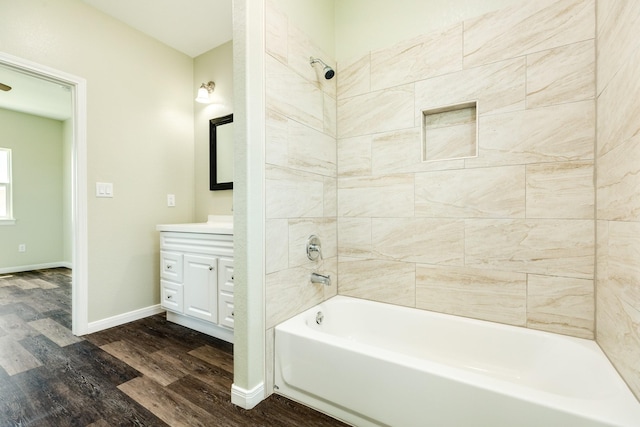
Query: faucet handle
314	248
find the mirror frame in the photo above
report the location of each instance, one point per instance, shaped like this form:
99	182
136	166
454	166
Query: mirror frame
213	158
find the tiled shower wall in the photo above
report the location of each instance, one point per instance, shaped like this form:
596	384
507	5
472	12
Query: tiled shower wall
618	184
507	236
300	187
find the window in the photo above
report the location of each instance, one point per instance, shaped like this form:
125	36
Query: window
5	185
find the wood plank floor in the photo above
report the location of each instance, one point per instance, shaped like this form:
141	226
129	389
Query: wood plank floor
146	373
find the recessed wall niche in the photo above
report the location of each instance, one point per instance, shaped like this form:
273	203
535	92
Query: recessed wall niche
450	132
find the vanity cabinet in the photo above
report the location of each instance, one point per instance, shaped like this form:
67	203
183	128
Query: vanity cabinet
196	280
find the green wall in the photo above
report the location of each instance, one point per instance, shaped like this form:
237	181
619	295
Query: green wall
37	147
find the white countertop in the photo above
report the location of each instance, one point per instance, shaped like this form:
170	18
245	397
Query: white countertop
216	224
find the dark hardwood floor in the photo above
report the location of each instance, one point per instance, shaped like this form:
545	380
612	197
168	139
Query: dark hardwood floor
146	373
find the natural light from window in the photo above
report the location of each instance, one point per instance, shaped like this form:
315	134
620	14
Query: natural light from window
5	184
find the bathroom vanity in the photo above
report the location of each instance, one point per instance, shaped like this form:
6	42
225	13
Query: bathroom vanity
196	275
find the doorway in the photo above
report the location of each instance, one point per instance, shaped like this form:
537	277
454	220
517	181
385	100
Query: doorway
78	172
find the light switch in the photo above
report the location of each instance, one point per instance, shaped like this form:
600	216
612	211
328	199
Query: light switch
104	189
171	200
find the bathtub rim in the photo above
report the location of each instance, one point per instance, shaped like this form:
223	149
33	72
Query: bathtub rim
601	409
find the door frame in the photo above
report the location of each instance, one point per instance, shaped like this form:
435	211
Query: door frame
78	85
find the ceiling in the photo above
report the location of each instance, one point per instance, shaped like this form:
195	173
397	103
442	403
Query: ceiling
192	27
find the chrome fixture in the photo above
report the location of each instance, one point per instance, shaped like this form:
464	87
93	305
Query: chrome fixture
321	279
319	318
327	70
205	90
314	248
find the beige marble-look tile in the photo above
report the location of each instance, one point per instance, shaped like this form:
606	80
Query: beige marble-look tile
497	87
381	111
527	27
54	331
276	139
557	133
354	237
330	191
293	96
491	295
354	156
562	305
301	49
14	358
560	75
276	245
560	190
310	150
450	135
329	266
497	192
618	182
383	196
618	333
355	77
618	109
617	37
401	152
622	265
423	240
603	11
276	31
378	280
330	112
540	246
289	292
270	363
299	232
292	194
418	58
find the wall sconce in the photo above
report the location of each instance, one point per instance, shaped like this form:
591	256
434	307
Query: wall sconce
203	93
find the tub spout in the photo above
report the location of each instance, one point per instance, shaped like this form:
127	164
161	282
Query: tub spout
319	278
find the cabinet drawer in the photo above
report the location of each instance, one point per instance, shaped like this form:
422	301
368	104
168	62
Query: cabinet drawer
171	266
225	275
225	309
171	297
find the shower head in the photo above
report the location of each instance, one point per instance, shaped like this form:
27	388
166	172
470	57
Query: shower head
327	70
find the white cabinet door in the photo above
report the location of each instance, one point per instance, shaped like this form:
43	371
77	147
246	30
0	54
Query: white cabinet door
201	287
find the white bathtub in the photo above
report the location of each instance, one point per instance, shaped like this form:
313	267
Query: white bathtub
372	364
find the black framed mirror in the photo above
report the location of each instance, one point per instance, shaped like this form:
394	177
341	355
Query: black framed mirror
221	153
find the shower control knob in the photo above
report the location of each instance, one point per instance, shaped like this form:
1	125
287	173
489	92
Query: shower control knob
314	248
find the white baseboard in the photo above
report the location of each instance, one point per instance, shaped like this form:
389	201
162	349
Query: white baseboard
123	318
32	267
247	399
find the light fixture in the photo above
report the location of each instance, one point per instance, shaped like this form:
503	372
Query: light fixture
203	93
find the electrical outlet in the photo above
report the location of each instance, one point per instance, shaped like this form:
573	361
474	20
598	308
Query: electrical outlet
22	247
171	200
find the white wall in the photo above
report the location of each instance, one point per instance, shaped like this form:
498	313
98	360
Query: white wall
215	65
139	137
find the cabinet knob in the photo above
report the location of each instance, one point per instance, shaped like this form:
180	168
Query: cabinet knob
232	277
232	314
210	268
169	267
168	296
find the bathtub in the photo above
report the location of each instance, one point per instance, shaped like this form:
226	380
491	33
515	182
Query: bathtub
372	364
